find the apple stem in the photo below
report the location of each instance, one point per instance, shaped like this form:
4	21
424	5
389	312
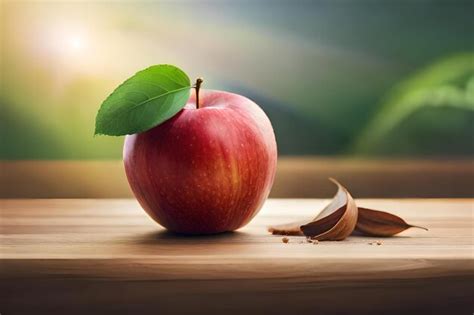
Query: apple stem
197	87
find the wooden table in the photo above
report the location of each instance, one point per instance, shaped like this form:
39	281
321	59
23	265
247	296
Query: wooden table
106	256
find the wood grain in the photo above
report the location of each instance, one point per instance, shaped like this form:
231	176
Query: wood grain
107	256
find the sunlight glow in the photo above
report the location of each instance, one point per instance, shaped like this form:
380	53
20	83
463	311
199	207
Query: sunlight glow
75	42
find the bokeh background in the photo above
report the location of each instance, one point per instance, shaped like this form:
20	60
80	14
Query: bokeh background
342	81
357	78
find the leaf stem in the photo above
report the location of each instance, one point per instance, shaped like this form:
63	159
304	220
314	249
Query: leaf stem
199	81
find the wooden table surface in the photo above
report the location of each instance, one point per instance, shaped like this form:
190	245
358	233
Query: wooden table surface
106	256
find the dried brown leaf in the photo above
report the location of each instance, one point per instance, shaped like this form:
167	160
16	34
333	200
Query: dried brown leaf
334	223
337	220
341	217
379	223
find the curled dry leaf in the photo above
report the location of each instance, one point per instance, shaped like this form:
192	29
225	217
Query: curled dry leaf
334	223
379	223
341	218
337	220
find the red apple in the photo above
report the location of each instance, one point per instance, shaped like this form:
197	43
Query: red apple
207	169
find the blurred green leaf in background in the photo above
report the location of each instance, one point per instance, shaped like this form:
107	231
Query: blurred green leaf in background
431	113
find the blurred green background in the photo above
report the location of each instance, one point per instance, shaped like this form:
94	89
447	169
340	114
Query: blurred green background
351	78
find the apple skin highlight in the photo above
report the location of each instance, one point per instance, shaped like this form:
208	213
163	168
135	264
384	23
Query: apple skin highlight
206	170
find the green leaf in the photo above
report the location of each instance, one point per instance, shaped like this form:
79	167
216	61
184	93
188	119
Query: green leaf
448	83
144	101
